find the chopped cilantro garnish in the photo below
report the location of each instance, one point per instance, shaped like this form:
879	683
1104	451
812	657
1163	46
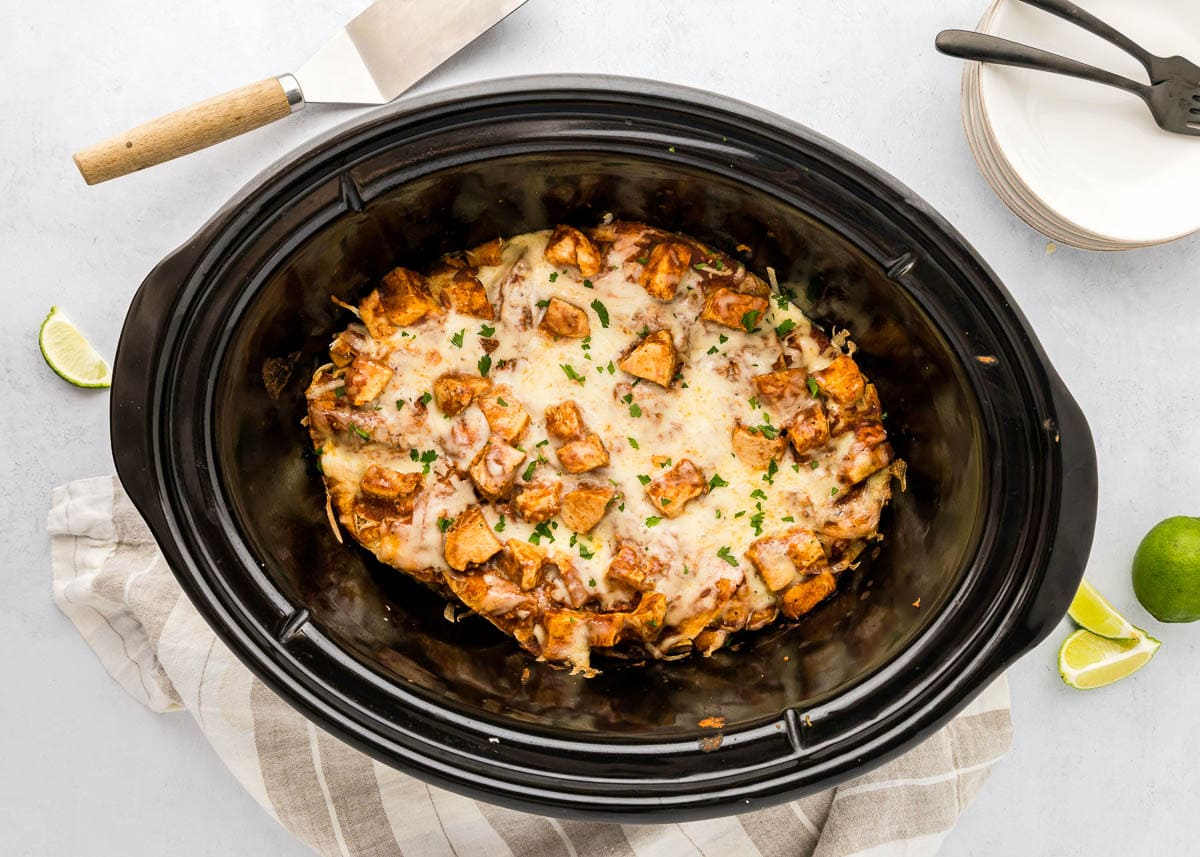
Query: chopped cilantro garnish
399	404
833	491
444	523
426	398
768	431
643	478
653	521
740	514
726	554
788	519
427	458
758	494
486	330
528	474
553	276
633	442
500	525
784	328
571	373
543	303
772	469
485	364
813	389
712	350
591	580
749	319
754	403
717	482
634	410
756	521
542	442
601	312
587	284
364	435
642	260
722	338
542	530
645	331
500	401
665	463
612	370
814	465
339	392
457	338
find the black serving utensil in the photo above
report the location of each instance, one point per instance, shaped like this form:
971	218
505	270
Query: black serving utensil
1159	68
1174	103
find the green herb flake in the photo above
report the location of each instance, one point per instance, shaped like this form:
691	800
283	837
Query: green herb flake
543	303
643	478
768	431
427	458
813	389
645	331
571	373
754	403
633	442
485	364
740	514
758	494
444	523
788	519
642	260
542	442
772	469
749	319
612	370
634	410
358	431
722	338
591	580
486	330
717	482
339	392
756	521
457	339
601	312
726	554
653	521
399	404
784	328
833	492
528	474
666	463
712	350
426	398
553	276
814	465
587	284
500	525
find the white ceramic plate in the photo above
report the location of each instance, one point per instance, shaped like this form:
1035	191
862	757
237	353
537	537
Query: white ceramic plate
1090	156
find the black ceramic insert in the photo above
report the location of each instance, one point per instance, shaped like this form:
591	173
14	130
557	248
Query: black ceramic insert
991	536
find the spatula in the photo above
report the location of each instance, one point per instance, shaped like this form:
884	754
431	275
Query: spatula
375	58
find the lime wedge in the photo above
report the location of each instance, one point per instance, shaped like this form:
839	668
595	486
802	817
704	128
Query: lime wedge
1091	610
70	355
1087	661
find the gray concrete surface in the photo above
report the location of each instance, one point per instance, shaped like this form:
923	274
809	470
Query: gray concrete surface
86	771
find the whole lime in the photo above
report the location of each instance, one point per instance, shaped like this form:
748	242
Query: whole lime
1166	570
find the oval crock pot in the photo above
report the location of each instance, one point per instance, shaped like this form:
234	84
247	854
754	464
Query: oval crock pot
983	552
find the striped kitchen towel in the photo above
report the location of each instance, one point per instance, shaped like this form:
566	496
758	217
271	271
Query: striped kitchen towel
111	581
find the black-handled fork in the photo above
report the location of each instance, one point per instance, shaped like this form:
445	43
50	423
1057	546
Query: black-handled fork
1159	68
1175	104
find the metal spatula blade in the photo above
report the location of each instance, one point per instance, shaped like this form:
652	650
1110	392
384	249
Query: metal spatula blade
392	45
373	59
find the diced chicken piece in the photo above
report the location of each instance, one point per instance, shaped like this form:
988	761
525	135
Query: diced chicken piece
494	469
604	629
405	297
646	619
522	563
865	410
365	380
762	617
371	311
841	380
487	255
580	456
539	501
505	415
665	269
654	359
462	292
677	487
565	319
583	508
563	421
566	639
454	391
856	513
870	452
709	641
628	566
780	559
569	246
755	449
385	484
469	540
783	391
718	599
807	594
488	594
733	309
808	429
346	346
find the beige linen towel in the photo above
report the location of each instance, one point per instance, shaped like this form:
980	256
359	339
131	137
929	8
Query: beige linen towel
110	579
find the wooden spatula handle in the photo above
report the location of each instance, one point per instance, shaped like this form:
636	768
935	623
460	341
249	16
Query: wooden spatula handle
190	129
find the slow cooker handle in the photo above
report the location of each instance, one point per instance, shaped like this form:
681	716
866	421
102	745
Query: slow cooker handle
1051	596
133	402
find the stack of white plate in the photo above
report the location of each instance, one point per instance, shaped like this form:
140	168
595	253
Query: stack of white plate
1085	164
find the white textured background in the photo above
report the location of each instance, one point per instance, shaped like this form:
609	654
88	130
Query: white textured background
86	771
